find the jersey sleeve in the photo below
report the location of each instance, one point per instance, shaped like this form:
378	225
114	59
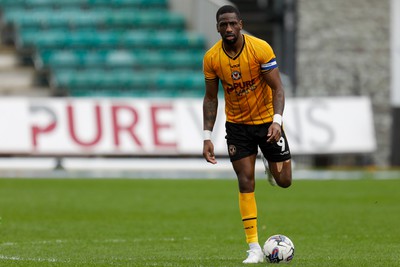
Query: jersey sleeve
267	58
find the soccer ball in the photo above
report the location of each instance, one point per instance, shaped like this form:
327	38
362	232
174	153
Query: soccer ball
278	249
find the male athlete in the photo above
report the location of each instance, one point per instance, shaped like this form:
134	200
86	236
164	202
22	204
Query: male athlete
254	103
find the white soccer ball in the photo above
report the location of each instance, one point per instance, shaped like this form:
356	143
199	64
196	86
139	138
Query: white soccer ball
278	249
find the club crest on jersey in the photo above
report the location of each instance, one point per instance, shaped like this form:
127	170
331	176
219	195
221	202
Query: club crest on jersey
236	75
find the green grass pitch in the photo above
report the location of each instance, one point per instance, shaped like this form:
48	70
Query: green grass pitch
183	222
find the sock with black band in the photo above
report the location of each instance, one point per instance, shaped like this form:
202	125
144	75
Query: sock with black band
248	211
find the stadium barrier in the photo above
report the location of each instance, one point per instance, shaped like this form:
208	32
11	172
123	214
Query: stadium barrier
170	126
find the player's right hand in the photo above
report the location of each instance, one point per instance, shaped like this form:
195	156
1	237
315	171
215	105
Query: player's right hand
274	133
208	151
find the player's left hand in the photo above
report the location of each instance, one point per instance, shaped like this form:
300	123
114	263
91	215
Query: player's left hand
274	133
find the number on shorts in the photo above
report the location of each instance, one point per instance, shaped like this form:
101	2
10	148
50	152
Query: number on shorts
281	143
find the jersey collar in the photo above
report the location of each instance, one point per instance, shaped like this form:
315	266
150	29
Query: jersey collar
238	54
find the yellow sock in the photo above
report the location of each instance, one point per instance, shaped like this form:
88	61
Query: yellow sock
248	211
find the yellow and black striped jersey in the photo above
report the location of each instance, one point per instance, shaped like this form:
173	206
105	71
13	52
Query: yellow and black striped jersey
248	98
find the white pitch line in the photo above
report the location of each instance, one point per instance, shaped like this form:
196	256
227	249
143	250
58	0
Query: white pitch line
59	241
16	258
106	241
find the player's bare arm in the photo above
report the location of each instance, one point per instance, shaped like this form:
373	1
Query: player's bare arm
210	104
278	97
210	108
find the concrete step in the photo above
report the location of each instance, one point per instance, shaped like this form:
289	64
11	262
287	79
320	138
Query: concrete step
8	61
21	77
17	79
27	92
20	81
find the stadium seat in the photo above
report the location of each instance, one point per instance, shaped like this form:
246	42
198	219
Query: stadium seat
119	58
72	18
108	47
83	3
173	59
109	39
128	80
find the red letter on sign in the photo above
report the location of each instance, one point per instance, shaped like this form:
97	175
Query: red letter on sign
71	125
117	128
36	130
158	126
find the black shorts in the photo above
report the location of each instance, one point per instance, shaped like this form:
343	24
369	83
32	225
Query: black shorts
244	140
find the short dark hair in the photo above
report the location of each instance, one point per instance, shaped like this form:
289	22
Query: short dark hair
228	9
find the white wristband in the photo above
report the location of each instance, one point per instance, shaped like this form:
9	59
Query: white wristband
278	119
207	134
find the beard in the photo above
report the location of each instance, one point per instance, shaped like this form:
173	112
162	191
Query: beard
230	41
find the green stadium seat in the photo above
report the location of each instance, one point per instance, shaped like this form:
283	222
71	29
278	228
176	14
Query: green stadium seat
126	80
46	17
108	47
119	58
153	19
61	58
108	39
172	59
80	19
183	80
83	3
164	39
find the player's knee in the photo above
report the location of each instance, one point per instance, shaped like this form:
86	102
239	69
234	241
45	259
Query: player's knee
246	188
284	182
246	184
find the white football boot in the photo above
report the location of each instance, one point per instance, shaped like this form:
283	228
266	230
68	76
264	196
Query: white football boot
254	256
270	178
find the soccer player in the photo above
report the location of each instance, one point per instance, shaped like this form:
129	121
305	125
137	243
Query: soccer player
254	104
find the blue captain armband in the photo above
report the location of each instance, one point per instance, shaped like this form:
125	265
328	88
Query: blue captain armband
272	64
